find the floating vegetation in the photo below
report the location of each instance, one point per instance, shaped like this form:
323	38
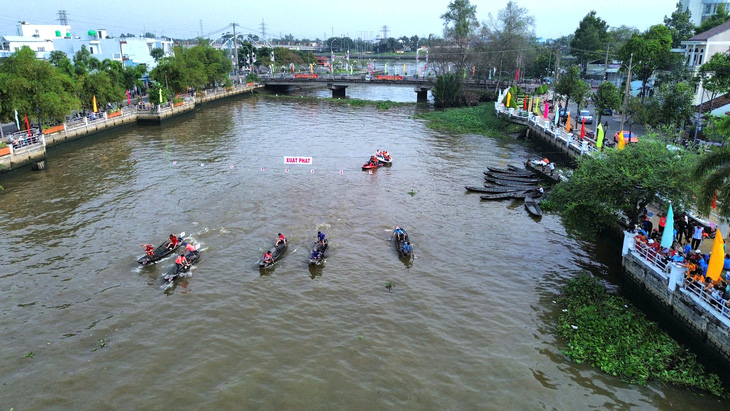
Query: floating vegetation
389	286
354	102
479	119
30	355
412	193
605	331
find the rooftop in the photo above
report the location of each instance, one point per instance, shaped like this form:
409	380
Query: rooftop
711	32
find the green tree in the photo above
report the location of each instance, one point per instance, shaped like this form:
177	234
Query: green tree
721	16
460	24
157	54
713	172
100	85
154	94
651	51
623	180
606	97
715	75
572	87
506	36
34	87
618	36
61	62
680	25
590	39
447	90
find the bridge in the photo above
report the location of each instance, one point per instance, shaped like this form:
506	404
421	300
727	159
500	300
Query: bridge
339	83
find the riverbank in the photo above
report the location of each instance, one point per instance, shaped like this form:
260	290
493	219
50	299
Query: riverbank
480	119
34	155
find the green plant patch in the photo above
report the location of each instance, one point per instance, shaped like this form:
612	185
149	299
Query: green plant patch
354	102
479	119
607	332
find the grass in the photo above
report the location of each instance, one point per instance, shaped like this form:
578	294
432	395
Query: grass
479	119
353	102
605	331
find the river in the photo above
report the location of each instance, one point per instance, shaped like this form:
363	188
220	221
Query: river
470	324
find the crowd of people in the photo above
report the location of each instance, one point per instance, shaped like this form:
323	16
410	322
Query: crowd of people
685	250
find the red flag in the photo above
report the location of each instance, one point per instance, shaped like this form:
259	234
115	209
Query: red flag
525	103
129	101
27	124
714	199
517	75
583	128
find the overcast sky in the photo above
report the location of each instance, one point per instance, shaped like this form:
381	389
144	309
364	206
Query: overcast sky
315	18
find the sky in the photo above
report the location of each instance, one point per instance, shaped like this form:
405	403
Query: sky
313	19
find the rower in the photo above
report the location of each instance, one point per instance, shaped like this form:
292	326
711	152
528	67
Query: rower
316	254
378	153
320	237
182	263
281	239
192	251
268	258
149	249
407	248
398	233
173	242
540	189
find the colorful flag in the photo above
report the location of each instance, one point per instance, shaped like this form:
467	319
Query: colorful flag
17	123
93	101
524	103
129	101
386	68
27	124
583	128
599	136
517	75
509	97
404	69
545	112
557	117
272	56
621	141
668	234
537	105
717	257
159	90
567	123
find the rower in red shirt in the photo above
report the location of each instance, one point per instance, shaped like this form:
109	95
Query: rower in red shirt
173	242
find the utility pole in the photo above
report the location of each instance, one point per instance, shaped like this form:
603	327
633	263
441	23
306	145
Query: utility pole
235	52
605	66
385	32
263	30
63	17
626	96
201	28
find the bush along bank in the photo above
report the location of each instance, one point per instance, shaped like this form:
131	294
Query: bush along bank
479	119
607	332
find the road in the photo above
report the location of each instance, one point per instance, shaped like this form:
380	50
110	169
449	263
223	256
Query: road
614	122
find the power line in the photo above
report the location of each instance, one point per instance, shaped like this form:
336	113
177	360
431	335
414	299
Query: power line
63	17
263	29
385	32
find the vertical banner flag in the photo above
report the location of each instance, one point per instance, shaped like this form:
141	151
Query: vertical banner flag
129	101
509	96
517	75
557	116
668	234
159	89
524	103
93	101
272	57
583	128
537	105
621	142
27	124
291	65
404	69
714	200
17	123
717	257
599	136
545	112
567	123
311	68
386	68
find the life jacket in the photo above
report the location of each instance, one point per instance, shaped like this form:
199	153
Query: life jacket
546	161
190	248
281	237
268	257
173	241
180	260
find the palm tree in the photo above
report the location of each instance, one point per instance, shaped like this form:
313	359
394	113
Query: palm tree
713	173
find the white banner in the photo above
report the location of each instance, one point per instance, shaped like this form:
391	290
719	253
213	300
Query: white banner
297	160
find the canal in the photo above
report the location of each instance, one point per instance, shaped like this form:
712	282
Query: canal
469	324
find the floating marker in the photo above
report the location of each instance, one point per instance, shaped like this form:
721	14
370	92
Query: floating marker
340	172
262	169
370	171
232	167
286	171
312	171
174	162
201	164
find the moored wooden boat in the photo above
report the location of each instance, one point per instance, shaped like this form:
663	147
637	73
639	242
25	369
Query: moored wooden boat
493	189
532	207
508	183
502	196
519	179
511	170
542	174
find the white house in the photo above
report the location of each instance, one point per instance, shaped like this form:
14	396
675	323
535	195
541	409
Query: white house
11	44
700	48
44	31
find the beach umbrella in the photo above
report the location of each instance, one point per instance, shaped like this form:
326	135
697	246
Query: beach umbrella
717	258
668	235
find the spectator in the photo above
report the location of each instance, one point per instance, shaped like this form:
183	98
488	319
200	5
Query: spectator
697	236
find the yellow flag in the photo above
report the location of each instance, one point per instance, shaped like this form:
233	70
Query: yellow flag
621	141
567	123
537	105
717	258
94	101
509	96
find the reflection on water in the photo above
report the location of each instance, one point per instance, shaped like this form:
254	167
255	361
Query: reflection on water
468	322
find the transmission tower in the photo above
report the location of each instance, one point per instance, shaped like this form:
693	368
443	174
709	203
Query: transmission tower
63	17
263	30
201	27
385	32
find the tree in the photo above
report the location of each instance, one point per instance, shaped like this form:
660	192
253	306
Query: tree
447	90
715	75
651	51
590	38
721	16
572	87
34	87
507	35
606	97
157	53
680	25
675	103
618	36
713	172
61	62
460	24
623	180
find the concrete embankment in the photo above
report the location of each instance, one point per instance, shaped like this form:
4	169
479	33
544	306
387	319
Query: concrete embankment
33	150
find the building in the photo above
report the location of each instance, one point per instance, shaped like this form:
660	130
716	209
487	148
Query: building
43	31
702	9
11	44
700	48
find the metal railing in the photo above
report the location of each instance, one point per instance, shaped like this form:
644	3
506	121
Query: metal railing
707	301
652	257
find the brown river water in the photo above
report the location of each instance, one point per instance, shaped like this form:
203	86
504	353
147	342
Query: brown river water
470	324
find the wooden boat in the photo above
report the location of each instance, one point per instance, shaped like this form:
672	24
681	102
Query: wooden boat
538	170
176	271
511	170
519	179
160	252
492	189
508	183
532	207
502	196
276	253
322	249
399	243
